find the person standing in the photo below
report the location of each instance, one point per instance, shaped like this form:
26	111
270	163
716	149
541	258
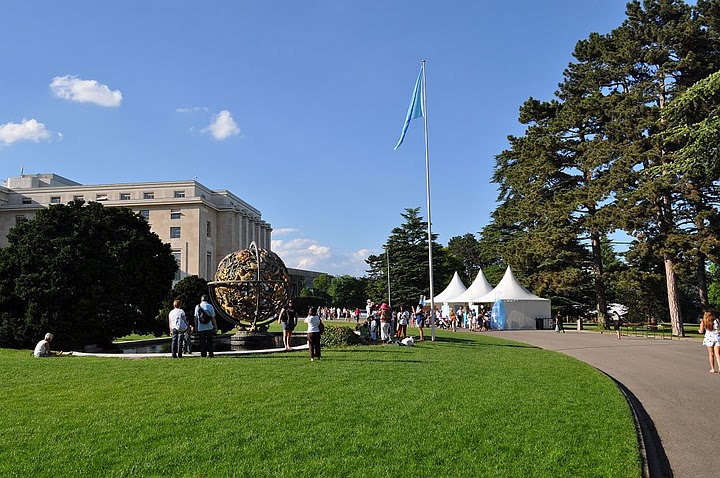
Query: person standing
404	317
313	334
710	326
369	307
187	346
385	327
419	319
559	327
206	325
178	325
288	321
618	324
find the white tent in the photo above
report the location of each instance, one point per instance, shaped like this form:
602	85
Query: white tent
478	288
454	289
522	307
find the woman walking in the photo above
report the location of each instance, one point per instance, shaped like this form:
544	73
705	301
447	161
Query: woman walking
618	324
313	334
419	319
710	326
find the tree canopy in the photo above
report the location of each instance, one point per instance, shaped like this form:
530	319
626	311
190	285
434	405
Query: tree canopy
626	144
407	247
84	272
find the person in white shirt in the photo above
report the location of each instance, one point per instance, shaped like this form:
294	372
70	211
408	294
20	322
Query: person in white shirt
42	349
177	324
313	334
403	318
710	326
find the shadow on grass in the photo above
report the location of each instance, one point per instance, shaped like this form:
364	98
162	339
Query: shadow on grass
460	342
378	360
343	355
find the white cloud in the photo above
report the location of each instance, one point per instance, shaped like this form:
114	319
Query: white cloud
284	231
192	109
26	130
223	126
301	253
75	89
309	254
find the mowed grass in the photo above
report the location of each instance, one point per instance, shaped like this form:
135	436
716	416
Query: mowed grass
465	405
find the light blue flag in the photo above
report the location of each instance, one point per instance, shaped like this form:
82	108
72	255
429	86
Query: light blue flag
416	107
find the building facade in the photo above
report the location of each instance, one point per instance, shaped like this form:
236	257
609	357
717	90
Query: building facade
300	279
201	225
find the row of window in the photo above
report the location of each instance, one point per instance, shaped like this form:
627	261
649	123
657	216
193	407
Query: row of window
104	197
175	230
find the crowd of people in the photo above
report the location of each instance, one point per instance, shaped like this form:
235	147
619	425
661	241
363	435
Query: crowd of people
337	313
386	326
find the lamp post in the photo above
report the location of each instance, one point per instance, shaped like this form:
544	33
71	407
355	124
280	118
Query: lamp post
387	255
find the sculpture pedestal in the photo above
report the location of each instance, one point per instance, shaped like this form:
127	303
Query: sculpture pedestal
243	340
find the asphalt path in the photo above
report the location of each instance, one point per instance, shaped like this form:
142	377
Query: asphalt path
667	383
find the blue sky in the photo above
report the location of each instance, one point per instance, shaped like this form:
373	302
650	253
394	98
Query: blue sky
293	106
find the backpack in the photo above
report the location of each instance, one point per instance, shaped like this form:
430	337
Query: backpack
181	324
203	316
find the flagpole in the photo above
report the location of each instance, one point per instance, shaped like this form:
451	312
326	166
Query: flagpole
427	193
418	108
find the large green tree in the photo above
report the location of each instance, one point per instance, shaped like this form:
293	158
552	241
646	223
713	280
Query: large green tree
84	272
347	291
407	247
465	250
537	225
663	47
595	159
693	134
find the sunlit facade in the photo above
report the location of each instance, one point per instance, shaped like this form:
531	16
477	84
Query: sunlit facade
200	224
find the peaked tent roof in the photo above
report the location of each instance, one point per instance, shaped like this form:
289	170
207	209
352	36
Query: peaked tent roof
478	288
508	288
454	289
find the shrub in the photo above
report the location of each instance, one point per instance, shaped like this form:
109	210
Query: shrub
337	336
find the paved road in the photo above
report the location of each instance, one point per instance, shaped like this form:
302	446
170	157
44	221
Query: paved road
670	380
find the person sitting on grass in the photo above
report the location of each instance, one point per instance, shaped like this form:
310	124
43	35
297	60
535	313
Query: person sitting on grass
363	331
42	349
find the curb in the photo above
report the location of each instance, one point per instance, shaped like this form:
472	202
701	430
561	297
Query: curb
655	463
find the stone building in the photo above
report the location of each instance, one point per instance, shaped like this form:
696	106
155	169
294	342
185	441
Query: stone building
200	224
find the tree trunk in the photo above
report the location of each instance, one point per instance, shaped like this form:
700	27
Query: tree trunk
673	298
599	281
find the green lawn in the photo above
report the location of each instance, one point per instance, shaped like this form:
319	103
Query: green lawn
465	405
